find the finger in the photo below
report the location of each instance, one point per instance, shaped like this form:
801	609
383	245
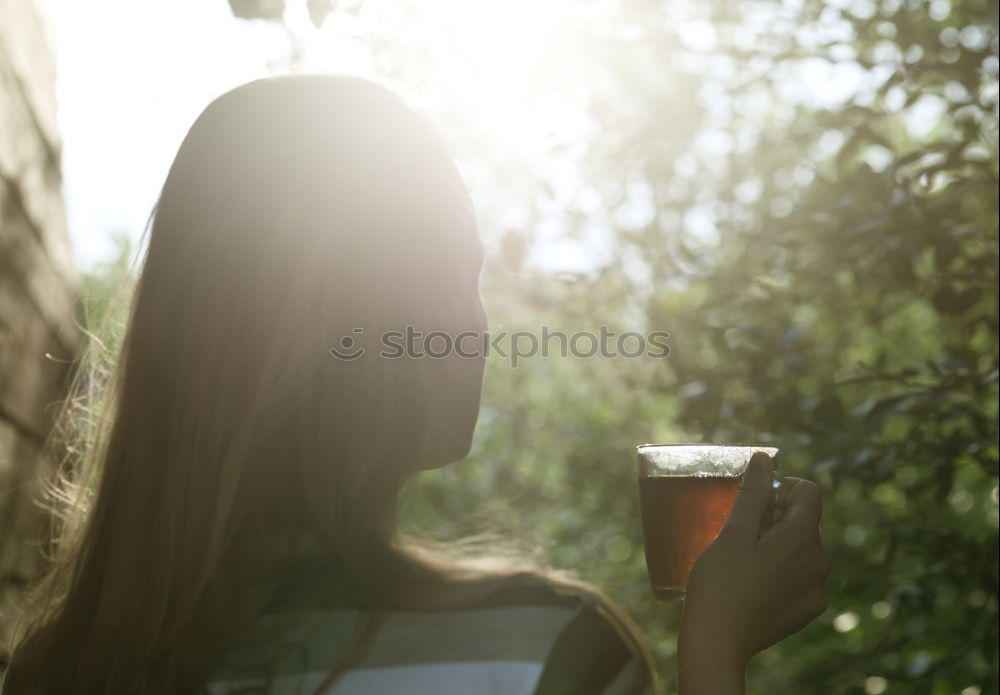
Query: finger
800	524
795	612
786	483
821	562
805	503
813	605
820	601
807	496
779	501
753	500
784	502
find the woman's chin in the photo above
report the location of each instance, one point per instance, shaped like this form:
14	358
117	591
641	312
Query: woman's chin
453	453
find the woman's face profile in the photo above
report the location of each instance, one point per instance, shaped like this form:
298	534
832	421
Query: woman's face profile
456	398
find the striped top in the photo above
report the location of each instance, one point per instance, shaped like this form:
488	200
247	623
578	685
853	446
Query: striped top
521	641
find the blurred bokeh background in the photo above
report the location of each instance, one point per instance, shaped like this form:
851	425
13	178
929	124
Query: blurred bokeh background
802	193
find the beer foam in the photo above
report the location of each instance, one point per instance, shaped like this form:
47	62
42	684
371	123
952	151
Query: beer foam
696	459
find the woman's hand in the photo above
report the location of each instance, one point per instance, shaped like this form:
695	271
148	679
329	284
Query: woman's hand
754	585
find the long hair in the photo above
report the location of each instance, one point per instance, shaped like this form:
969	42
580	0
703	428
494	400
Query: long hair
301	213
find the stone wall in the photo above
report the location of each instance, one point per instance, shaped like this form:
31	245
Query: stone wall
37	326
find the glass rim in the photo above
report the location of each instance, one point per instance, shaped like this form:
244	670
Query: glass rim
760	447
677	460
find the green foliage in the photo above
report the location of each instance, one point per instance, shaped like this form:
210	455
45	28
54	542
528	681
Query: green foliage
104	291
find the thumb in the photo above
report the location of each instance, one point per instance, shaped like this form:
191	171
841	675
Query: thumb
752	502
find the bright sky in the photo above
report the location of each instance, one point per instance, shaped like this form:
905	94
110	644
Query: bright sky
133	76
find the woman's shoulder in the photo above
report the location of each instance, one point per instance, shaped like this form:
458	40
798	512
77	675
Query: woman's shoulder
591	654
535	637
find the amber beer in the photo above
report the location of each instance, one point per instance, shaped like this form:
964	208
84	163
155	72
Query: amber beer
685	493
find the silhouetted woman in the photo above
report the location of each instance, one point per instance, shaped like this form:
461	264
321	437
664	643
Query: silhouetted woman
241	535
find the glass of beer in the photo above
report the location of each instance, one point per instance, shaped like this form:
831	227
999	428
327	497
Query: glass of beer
686	492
